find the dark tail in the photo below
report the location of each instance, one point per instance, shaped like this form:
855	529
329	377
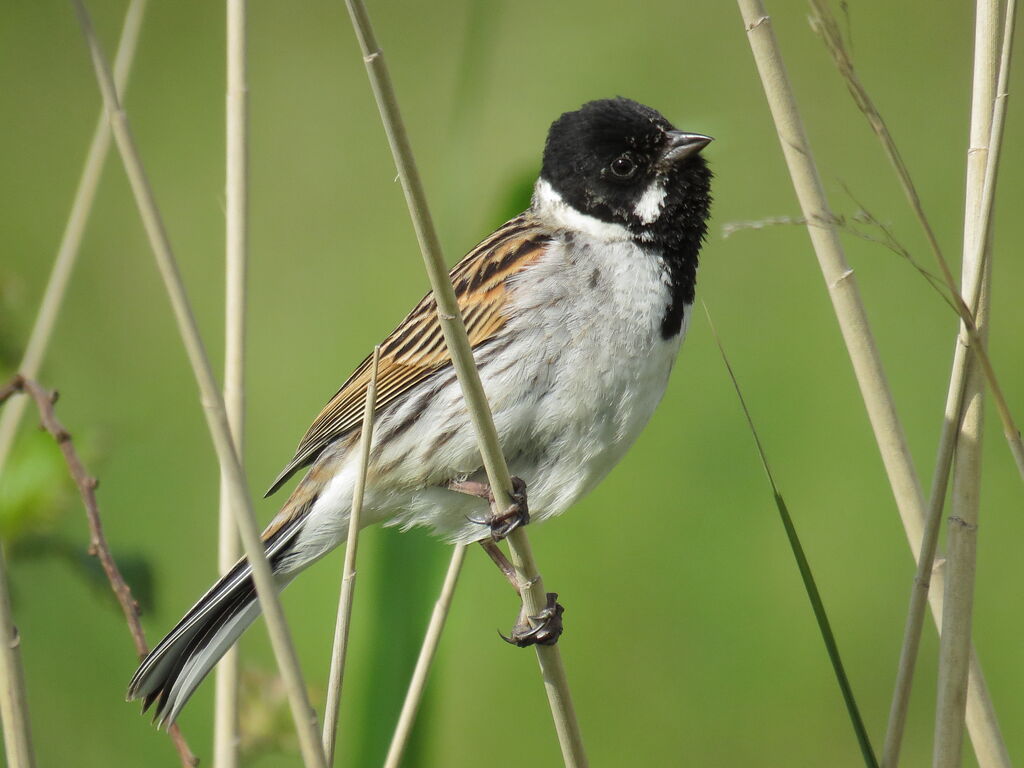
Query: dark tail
174	669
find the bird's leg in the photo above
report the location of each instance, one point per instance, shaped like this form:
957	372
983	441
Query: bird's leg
501	522
494	552
543	629
546	627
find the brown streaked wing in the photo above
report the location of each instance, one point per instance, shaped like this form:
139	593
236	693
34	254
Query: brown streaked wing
416	350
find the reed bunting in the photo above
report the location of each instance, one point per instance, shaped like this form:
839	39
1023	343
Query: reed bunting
575	310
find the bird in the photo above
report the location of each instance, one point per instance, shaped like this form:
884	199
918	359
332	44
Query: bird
575	310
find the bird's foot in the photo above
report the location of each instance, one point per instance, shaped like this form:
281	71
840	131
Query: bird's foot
501	522
543	629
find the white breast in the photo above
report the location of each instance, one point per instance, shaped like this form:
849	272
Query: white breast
590	316
572	379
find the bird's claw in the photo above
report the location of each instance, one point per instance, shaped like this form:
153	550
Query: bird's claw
515	515
547	630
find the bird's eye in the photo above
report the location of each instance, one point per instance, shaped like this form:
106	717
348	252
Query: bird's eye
623	166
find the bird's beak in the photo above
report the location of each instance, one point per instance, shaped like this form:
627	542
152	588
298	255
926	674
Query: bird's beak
683	145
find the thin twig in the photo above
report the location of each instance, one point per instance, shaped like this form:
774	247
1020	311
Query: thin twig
213	402
955	642
98	546
853	322
531	587
225	723
825	25
817	605
418	683
348	580
978	707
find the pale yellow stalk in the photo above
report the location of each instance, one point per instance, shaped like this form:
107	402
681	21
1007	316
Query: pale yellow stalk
955	641
530	585
856	332
348	580
418	683
225	722
13	711
213	405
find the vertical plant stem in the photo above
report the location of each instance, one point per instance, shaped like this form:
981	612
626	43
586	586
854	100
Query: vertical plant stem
418	683
225	729
954	645
71	241
13	707
348	580
213	405
856	331
13	699
531	586
980	716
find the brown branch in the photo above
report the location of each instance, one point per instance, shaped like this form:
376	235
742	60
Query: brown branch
98	546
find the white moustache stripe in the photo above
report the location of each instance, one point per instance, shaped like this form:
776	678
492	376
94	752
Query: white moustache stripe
648	208
550	206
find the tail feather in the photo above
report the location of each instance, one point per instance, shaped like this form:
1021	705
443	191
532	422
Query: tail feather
173	670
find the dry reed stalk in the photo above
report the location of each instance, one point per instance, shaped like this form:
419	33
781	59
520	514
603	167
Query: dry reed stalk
955	640
12	702
225	723
531	587
418	683
856	333
348	579
213	404
979	707
13	697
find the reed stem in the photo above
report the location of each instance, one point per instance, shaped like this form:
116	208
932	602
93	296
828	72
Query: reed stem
955	640
213	405
348	580
418	683
531	587
13	696
855	328
225	723
13	712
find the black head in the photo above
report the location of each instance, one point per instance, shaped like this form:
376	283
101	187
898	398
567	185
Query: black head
621	162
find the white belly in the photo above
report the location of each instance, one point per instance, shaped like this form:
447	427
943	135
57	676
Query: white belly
583	370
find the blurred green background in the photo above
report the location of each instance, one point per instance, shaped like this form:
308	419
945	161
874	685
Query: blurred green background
689	638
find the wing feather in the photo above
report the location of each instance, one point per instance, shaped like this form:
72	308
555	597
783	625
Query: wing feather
415	350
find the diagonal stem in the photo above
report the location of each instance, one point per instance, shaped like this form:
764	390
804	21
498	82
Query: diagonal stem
418	683
531	586
348	581
995	754
855	328
13	710
213	405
